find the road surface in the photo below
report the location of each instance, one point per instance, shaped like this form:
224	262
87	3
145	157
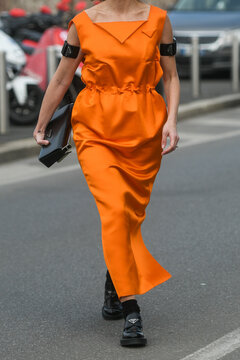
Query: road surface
52	270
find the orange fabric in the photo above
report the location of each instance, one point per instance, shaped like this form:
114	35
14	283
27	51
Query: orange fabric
117	122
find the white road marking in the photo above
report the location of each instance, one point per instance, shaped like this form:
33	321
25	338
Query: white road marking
205	138
8	178
16	172
18	144
219	348
215	122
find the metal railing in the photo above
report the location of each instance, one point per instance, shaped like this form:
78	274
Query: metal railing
52	62
235	63
195	66
4	104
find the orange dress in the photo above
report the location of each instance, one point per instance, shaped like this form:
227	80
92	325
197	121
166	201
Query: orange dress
117	122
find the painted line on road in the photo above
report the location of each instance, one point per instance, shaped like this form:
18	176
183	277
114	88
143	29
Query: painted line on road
214	122
219	348
26	175
18	144
203	138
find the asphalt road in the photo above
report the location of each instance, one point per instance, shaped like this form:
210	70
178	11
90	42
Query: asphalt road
52	269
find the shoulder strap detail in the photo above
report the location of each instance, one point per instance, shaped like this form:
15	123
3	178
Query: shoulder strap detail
162	14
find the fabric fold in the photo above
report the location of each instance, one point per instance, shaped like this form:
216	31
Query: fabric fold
117	122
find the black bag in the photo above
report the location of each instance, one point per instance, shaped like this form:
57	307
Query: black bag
57	133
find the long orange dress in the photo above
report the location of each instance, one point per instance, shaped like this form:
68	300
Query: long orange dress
117	122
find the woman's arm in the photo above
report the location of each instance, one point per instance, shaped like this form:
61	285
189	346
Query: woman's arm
172	90
57	87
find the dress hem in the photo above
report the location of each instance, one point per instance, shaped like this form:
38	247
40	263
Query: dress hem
146	289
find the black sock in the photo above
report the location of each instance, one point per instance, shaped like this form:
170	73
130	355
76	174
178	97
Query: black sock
109	284
108	277
129	307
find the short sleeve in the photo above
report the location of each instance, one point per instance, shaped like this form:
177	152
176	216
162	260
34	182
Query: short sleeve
162	19
76	20
72	21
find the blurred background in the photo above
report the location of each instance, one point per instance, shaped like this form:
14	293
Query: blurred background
51	265
207	33
34	5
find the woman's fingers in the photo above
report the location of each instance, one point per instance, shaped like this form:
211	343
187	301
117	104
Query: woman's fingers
39	137
164	139
42	142
174	138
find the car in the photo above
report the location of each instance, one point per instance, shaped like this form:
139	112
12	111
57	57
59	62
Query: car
214	22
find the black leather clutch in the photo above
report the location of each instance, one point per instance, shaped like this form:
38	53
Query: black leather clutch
57	133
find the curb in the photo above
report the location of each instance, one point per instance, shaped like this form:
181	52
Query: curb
19	149
200	107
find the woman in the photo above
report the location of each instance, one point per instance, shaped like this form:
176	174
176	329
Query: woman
120	128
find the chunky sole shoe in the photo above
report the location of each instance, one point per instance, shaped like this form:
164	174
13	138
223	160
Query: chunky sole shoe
111	316
112	306
134	342
133	331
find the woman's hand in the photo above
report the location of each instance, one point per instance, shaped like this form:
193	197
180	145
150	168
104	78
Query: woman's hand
169	130
39	137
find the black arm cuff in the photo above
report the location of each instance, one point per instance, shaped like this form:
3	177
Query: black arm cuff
169	49
70	50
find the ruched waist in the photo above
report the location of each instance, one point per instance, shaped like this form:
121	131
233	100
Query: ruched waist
120	90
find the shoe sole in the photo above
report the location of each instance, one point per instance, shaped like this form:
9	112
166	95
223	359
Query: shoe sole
134	342
111	317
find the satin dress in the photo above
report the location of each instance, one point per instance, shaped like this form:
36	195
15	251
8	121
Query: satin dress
117	122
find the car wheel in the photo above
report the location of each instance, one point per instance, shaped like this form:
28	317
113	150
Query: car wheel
27	113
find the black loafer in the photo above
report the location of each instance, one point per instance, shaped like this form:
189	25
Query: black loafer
112	307
133	331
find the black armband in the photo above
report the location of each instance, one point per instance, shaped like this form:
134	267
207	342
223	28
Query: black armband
169	49
70	50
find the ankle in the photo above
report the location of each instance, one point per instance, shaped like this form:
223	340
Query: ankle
108	277
126	298
108	283
130	306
